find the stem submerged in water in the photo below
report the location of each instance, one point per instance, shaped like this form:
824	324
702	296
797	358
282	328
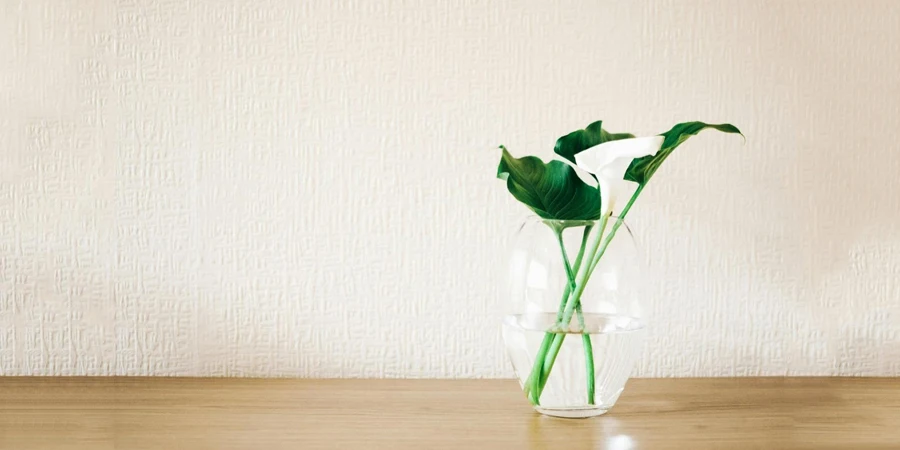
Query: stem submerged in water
588	355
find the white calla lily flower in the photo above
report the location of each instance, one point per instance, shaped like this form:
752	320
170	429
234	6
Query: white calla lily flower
609	161
583	175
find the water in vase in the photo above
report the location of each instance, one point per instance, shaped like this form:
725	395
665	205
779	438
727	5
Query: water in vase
615	344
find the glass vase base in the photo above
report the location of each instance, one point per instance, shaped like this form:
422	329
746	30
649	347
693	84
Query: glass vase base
573	413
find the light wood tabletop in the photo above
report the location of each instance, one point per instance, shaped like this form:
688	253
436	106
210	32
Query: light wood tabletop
193	413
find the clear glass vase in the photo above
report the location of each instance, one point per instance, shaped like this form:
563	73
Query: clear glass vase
577	328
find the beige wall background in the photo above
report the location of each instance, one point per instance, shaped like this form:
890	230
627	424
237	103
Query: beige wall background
279	188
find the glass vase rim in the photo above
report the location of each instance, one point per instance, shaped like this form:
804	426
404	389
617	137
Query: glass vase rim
567	223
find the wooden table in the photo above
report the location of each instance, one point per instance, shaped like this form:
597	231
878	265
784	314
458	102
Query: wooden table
189	413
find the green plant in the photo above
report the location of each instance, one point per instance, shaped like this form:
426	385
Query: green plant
554	191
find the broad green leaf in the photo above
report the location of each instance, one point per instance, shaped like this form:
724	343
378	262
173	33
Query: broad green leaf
641	169
578	141
552	190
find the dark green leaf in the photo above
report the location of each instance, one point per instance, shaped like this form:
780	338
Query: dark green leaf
552	190
578	141
641	169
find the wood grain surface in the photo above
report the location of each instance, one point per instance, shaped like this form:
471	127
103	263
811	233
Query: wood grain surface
193	413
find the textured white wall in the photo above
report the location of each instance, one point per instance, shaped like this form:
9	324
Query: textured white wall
281	188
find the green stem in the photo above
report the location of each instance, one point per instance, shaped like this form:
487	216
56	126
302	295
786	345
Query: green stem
615	227
583	274
575	298
589	366
584	236
588	355
534	378
548	337
586	338
558	338
532	383
562	248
